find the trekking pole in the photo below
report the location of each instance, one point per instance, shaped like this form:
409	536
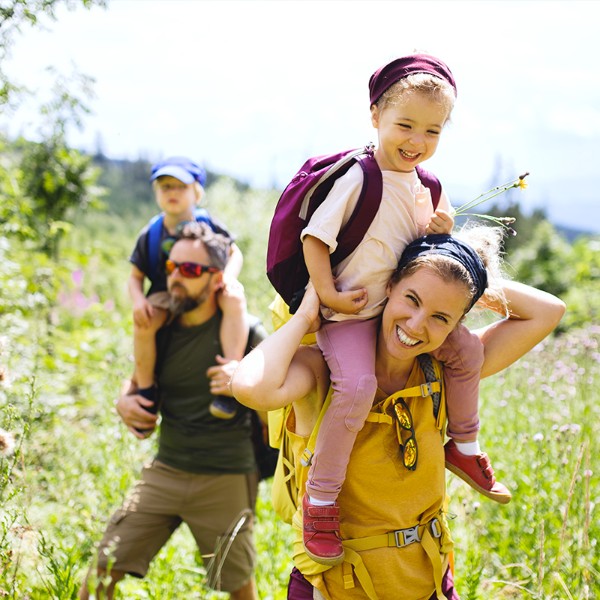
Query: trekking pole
213	574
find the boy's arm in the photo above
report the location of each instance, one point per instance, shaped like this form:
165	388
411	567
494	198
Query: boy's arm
135	284
142	310
316	256
233	268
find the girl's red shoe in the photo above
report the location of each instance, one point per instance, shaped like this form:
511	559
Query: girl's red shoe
477	471
321	532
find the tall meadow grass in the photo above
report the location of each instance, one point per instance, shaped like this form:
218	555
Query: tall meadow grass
65	346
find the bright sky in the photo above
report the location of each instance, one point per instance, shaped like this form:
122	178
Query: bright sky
253	87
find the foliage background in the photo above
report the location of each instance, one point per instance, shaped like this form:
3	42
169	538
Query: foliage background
67	224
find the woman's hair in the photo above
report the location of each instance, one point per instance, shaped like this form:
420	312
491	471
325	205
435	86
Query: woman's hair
486	241
435	88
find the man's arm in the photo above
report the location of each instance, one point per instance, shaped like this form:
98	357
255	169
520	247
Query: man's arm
131	409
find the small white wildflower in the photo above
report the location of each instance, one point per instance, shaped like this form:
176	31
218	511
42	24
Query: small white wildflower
7	443
538	437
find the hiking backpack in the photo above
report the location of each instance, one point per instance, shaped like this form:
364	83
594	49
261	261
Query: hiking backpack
153	243
290	478
306	191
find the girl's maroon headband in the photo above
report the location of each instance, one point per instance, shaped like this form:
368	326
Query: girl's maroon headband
400	68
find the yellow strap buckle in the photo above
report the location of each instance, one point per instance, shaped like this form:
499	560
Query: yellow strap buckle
306	458
404	537
427	389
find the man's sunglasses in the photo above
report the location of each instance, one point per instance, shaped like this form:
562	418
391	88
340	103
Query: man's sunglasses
406	432
189	270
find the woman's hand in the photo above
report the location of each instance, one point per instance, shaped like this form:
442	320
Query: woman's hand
309	309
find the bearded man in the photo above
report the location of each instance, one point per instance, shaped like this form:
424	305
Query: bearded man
204	473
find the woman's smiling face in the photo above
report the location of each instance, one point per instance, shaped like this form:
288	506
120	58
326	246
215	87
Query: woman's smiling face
421	311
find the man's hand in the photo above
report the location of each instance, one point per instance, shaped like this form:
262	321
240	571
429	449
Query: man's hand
131	409
220	376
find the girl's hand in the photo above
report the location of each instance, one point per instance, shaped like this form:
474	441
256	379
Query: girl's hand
349	302
441	222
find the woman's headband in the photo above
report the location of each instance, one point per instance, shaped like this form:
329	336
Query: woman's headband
446	245
402	67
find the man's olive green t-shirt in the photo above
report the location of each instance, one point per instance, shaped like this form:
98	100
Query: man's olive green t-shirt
190	438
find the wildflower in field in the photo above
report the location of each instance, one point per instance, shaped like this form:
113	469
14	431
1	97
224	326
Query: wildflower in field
7	443
505	222
538	437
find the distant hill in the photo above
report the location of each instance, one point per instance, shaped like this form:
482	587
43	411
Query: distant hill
129	190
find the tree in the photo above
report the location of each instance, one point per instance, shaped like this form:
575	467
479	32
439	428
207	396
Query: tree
16	14
55	178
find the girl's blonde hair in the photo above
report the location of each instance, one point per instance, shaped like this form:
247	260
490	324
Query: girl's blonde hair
434	88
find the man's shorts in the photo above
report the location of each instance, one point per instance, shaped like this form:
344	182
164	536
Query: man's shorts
211	505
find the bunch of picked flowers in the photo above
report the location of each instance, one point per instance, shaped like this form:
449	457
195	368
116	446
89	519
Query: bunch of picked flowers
505	222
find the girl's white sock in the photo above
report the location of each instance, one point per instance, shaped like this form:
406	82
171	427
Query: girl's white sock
468	448
316	502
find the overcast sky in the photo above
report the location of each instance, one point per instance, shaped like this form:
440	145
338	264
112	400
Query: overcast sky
254	87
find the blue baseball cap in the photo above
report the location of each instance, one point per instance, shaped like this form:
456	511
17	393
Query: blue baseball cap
181	168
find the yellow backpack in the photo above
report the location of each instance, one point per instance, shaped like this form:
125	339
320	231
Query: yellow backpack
289	479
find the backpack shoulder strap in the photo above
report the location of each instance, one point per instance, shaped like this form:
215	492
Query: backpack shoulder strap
366	208
309	451
153	244
426	364
201	215
429	180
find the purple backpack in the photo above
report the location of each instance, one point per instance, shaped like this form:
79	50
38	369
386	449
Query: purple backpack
286	268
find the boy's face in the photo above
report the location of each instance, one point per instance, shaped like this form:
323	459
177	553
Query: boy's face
174	197
408	131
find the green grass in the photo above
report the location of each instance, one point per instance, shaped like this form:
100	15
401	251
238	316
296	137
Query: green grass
65	348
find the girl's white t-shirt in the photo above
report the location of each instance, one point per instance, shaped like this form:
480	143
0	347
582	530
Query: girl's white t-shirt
404	212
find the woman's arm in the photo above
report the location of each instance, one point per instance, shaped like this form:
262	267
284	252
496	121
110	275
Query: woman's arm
532	315
277	372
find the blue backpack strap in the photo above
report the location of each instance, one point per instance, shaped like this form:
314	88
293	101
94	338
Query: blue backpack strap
153	244
201	215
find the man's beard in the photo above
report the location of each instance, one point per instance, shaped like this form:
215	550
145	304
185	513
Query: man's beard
182	303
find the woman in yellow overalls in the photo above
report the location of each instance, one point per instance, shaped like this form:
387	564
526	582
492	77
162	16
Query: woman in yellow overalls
391	508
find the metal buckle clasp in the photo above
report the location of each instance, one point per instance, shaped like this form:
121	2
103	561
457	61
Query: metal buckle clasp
307	457
436	528
404	537
427	389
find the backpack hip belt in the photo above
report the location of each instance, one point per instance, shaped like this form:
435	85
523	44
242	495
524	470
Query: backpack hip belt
430	535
